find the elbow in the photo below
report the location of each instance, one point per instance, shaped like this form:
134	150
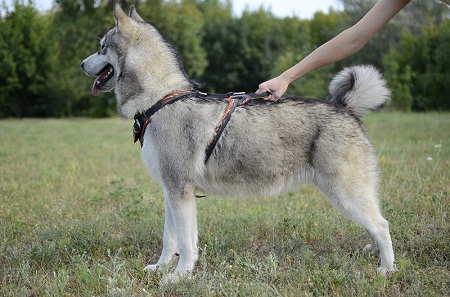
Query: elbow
355	46
355	40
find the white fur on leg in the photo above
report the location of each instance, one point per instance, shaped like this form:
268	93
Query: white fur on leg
185	215
180	234
386	270
383	239
373	251
170	245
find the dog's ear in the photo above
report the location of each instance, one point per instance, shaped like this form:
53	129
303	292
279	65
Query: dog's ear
134	15
120	17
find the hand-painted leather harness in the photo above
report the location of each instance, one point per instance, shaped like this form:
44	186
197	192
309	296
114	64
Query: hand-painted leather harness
141	120
234	100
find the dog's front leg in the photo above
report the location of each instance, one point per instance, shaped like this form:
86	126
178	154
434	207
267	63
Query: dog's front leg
184	211
170	246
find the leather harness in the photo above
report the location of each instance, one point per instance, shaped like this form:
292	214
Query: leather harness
233	100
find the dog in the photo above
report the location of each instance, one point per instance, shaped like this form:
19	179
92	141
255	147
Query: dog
266	147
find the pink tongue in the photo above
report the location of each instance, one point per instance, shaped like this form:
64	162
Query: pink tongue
99	77
94	86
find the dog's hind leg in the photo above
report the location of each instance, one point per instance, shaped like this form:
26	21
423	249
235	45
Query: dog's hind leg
378	228
356	198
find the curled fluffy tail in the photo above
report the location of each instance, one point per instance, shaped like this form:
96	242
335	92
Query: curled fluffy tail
359	88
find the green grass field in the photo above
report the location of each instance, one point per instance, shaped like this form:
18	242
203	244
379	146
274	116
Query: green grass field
79	216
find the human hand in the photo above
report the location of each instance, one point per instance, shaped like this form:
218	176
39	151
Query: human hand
276	87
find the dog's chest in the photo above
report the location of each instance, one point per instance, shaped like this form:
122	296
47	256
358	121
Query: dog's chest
150	157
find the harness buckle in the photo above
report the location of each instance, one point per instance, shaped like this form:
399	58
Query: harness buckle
136	126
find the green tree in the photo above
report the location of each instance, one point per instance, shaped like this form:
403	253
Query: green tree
409	20
226	46
399	77
417	70
325	26
27	64
241	51
77	27
182	23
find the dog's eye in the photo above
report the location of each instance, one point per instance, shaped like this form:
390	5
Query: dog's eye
103	46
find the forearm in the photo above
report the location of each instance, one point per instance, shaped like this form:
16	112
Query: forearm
338	48
347	42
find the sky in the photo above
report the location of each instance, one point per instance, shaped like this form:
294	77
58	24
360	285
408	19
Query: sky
301	8
281	8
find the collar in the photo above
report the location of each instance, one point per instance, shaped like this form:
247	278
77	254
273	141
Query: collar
141	120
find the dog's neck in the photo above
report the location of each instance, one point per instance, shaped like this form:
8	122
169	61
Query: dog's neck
142	83
136	101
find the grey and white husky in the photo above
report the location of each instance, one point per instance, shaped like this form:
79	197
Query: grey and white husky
266	148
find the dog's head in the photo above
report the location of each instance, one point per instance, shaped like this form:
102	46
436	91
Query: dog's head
136	60
105	64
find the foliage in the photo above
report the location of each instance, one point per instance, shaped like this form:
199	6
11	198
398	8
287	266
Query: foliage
40	52
325	26
410	20
77	27
181	22
28	64
240	51
417	70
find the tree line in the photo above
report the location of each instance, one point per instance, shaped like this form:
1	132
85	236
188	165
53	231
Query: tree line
40	52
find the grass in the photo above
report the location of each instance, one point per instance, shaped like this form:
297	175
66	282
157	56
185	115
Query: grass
79	216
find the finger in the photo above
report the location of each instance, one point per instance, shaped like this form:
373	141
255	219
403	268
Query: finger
270	97
273	97
264	91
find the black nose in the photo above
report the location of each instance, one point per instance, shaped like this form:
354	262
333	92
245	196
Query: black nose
82	64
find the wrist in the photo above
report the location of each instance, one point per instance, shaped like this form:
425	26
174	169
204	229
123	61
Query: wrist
287	77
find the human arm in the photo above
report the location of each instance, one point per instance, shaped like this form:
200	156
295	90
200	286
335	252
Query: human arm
343	45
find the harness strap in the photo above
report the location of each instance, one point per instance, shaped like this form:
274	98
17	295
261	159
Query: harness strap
141	120
234	100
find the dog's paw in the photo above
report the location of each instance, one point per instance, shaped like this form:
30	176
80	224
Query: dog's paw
171	278
152	267
176	277
386	271
370	249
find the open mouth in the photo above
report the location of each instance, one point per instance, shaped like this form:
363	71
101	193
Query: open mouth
102	78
